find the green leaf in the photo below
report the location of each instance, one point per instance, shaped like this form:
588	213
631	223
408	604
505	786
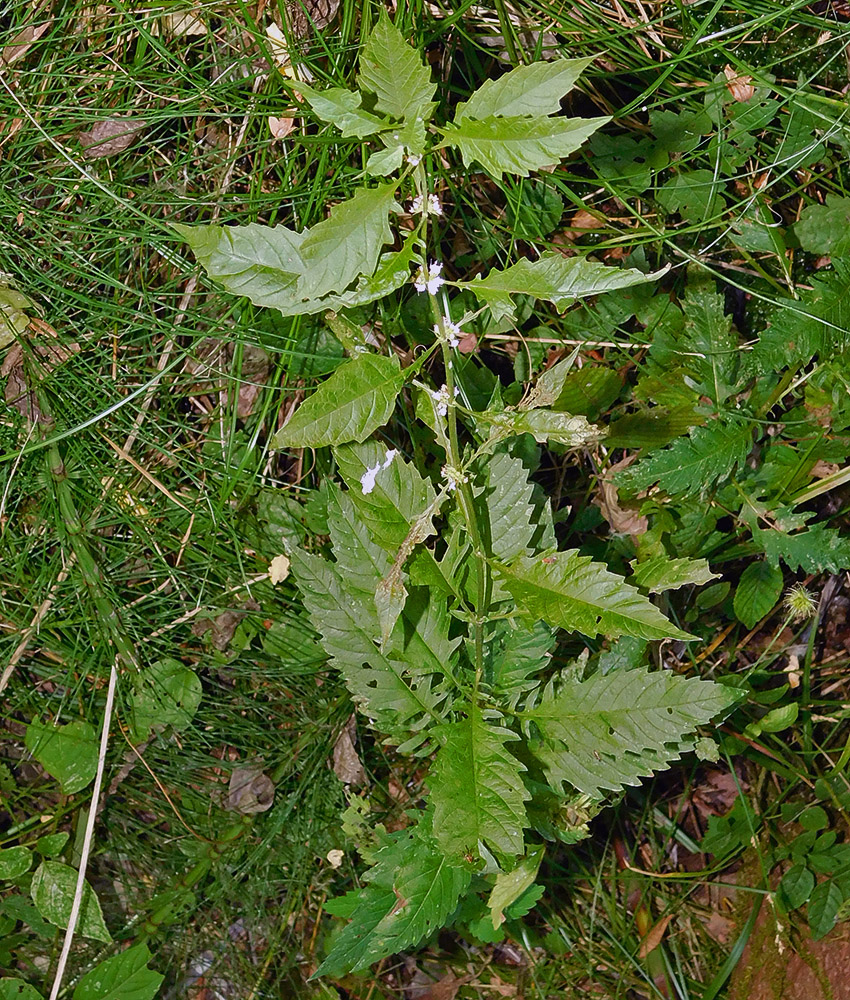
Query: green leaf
386	161
589	391
167	694
505	507
550	384
520	655
758	590
535	211
796	887
52	891
52	844
509	886
348	242
343	108
14	862
357	399
123	977
519	145
709	343
779	719
477	790
17	989
410	893
825	229
394	72
570	591
535	89
609	731
552	277
693	465
694	194
68	753
544	425
824	903
399	495
817	549
663	573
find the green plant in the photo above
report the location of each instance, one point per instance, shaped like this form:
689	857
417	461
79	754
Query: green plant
441	587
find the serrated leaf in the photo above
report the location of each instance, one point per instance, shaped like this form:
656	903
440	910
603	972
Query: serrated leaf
394	72
14	862
817	549
52	891
570	591
505	507
550	383
693	465
796	887
535	89
519	145
509	886
348	242
544	425
343	108
125	976
824	903
354	401
411	891
552	277
521	655
399	494
477	790
758	590
68	753
825	229
663	573
709	341
167	694
609	731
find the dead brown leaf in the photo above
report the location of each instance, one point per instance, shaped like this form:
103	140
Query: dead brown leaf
250	791
740	87
347	765
654	936
444	989
280	127
622	520
21	43
49	353
110	136
224	625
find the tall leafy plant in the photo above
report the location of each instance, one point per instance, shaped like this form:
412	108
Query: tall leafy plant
440	594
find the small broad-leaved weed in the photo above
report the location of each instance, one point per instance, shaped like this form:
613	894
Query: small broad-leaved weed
441	594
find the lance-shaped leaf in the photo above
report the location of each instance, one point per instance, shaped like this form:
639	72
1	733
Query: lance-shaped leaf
348	242
663	573
392	272
610	731
354	401
52	890
519	145
398	494
262	262
343	108
570	591
410	892
544	425
553	277
535	89
394	72
477	790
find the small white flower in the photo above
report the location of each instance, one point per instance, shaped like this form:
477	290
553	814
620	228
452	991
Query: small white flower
414	160
367	480
416	205
453	477
429	278
434	206
452	331
442	398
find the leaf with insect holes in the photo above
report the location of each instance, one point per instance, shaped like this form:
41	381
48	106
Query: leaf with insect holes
348	242
535	89
608	732
758	590
544	425
343	109
357	399
124	976
818	549
52	891
476	789
662	573
410	892
394	72
570	591
68	753
518	145
12	988
553	277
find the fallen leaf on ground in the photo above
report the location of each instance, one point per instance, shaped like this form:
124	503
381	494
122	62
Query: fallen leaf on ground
110	136
740	87
280	127
622	520
654	936
20	44
347	765
251	791
279	569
